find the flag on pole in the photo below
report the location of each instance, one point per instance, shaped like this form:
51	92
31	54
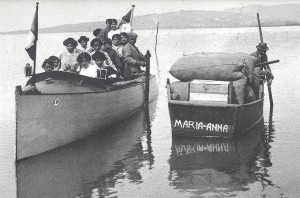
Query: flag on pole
33	37
126	17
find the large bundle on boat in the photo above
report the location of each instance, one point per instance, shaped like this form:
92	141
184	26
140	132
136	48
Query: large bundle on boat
214	66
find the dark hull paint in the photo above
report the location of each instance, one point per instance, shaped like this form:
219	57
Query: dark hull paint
212	119
48	121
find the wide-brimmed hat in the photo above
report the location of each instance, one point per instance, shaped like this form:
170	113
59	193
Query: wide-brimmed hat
83	38
262	46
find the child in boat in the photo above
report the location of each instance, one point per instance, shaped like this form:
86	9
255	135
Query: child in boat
56	62
69	58
83	41
116	44
47	65
96	46
107	47
100	61
114	29
87	69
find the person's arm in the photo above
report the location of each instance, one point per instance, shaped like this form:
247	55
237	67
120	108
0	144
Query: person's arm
127	54
63	66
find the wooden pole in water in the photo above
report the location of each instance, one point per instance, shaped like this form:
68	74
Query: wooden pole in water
147	87
261	40
259	27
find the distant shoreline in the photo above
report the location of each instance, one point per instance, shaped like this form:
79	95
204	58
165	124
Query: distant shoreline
171	28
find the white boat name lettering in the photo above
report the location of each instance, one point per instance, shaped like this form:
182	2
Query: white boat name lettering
201	126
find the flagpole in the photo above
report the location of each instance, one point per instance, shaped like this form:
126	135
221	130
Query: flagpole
36	36
131	18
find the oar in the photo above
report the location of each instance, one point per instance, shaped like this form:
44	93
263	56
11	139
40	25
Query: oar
261	40
147	87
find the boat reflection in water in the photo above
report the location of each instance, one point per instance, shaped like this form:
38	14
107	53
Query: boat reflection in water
92	166
218	167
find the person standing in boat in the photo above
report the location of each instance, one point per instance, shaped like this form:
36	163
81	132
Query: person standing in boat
107	47
87	69
108	27
125	27
83	41
100	61
56	62
114	29
116	44
69	58
261	55
133	58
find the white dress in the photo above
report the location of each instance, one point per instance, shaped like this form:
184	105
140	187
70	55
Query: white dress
90	71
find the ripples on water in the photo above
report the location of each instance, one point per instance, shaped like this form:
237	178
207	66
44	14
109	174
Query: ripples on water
140	158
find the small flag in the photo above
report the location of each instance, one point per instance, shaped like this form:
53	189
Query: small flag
32	38
127	17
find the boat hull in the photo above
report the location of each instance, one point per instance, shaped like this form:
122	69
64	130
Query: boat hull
189	118
48	121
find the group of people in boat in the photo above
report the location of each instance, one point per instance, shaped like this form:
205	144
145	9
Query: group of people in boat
112	53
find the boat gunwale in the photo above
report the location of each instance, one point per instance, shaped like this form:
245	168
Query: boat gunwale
204	104
19	89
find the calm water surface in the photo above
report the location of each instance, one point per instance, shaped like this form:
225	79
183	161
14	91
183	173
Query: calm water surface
139	157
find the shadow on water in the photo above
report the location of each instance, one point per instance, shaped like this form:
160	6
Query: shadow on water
221	167
90	167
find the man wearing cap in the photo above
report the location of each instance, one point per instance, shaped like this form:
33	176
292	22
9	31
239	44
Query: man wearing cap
262	57
133	58
83	41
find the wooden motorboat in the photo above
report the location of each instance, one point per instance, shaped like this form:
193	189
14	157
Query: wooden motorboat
56	108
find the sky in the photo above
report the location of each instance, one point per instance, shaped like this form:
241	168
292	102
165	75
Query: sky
18	14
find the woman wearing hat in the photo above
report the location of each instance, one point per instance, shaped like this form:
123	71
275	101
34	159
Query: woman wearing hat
69	57
83	41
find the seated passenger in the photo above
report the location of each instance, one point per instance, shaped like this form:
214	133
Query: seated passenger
56	62
99	33
96	45
87	69
100	61
114	29
69	58
112	54
116	44
47	65
83	41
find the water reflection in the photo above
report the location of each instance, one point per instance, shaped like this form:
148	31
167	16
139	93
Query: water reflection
93	166
220	167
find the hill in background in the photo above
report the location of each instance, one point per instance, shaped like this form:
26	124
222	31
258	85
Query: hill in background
277	15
